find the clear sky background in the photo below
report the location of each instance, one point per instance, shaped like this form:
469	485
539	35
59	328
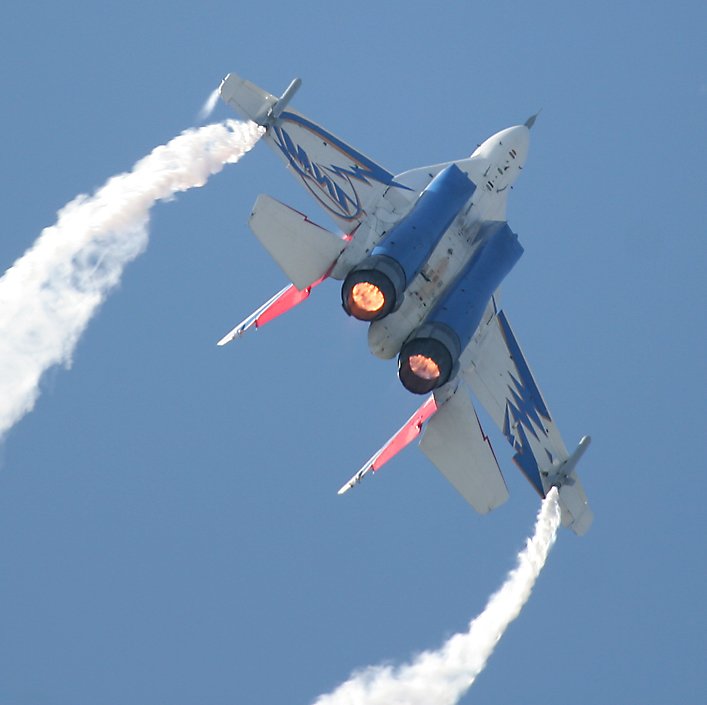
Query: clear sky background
169	525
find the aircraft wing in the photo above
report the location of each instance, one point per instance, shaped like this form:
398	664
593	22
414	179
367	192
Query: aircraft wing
343	180
496	370
455	443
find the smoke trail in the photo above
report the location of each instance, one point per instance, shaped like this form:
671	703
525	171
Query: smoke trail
208	107
48	295
443	676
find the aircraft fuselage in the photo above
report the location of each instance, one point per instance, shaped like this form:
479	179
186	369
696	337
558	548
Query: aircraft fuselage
494	166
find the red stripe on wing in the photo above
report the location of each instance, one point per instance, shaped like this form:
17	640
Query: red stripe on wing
289	299
408	433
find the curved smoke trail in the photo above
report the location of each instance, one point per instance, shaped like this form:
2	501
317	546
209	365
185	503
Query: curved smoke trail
443	676
49	295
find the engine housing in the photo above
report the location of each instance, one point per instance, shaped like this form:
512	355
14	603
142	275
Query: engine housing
393	263
429	357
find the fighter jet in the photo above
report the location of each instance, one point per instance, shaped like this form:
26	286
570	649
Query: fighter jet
420	258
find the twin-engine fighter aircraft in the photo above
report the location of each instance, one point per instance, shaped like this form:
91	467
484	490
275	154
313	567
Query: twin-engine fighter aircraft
421	260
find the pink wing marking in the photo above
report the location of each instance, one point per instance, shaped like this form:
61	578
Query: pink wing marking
408	433
289	299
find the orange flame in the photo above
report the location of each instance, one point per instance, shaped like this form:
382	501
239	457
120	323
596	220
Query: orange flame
424	367
367	297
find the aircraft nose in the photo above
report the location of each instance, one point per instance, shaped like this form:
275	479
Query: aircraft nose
517	139
509	146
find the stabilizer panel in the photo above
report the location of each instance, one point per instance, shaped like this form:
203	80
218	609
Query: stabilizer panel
455	442
304	251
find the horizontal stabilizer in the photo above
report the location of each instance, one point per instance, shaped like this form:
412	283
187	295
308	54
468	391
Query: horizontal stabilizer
303	250
455	442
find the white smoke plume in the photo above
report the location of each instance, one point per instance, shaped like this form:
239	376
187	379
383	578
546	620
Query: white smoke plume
50	293
208	107
443	676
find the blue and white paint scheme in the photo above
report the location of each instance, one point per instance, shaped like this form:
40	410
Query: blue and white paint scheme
340	182
421	255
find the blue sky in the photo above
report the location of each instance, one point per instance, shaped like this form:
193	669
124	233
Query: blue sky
169	524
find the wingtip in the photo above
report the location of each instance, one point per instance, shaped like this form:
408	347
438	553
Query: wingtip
237	332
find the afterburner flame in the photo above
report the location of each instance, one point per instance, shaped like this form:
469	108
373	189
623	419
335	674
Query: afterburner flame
424	367
367	297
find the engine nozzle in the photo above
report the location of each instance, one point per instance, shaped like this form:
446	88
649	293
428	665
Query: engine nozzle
427	360
373	289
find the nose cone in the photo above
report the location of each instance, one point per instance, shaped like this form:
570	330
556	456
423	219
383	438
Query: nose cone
505	153
509	145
